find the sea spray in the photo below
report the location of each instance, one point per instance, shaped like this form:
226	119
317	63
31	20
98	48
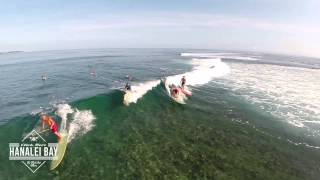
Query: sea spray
81	121
81	124
62	111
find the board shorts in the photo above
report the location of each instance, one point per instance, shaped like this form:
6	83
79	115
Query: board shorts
54	128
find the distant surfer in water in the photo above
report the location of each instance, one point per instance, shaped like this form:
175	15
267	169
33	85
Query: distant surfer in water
129	77
183	81
44	77
93	72
47	120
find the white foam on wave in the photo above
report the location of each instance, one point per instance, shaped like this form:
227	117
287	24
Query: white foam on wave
138	90
238	120
37	111
62	111
80	122
235	56
204	55
204	71
289	93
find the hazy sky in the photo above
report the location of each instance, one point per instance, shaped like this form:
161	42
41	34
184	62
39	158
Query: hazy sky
283	26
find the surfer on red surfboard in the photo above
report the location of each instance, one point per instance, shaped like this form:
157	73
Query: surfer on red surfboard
183	86
174	91
183	81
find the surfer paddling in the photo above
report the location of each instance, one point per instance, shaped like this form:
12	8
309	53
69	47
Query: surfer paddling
47	120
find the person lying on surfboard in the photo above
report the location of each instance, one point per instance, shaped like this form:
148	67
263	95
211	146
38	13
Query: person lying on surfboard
47	120
183	81
174	90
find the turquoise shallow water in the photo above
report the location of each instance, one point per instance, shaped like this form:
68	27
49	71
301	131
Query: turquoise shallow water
219	134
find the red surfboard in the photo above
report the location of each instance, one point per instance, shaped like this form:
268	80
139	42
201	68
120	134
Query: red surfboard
186	91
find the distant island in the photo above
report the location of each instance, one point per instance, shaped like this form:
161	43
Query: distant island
11	52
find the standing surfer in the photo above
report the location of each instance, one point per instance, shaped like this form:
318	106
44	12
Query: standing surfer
184	88
183	81
47	120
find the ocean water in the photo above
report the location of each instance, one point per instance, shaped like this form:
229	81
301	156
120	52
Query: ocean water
251	116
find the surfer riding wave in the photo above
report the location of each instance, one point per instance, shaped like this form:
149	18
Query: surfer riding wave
48	120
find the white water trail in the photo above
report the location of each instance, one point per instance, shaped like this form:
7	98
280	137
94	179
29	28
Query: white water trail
137	91
203	72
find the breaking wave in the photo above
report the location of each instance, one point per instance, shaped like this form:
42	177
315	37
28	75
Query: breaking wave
235	56
140	89
204	71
